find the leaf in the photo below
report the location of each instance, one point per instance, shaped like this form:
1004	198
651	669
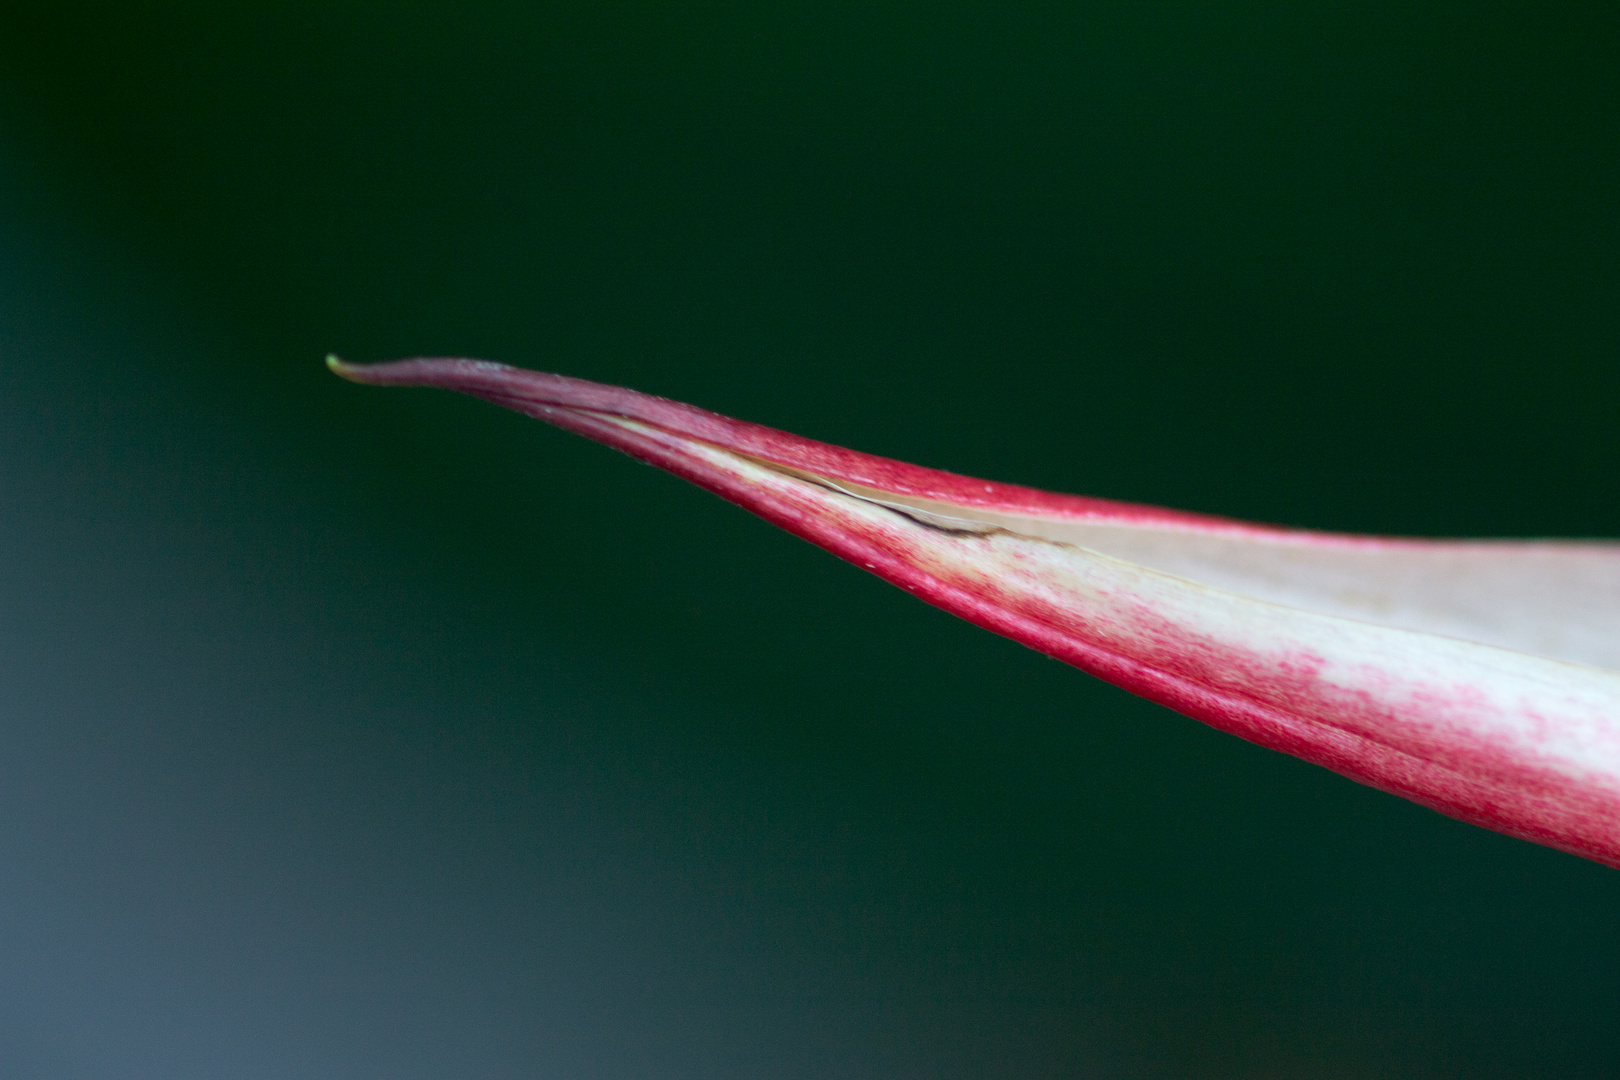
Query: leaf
1477	677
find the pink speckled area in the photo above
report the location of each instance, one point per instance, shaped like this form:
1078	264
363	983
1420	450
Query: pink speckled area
1469	730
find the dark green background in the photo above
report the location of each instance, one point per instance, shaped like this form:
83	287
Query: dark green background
351	733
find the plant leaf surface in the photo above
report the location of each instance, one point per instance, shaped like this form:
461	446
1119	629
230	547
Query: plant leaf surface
1477	677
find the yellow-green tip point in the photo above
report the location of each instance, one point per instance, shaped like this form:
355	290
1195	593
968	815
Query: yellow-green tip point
338	367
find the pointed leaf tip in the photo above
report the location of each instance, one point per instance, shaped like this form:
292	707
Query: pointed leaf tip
355	373
1479	678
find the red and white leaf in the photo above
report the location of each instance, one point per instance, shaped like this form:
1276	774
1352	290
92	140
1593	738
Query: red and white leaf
1479	678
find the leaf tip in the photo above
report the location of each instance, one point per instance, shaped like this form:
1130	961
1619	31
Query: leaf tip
342	368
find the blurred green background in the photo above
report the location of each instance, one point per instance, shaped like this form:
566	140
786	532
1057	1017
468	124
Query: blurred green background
361	733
